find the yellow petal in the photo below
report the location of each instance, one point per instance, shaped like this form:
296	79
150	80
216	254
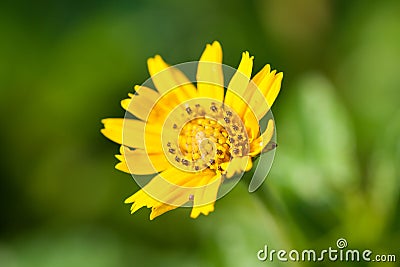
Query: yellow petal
167	78
261	74
173	188
139	162
258	145
251	123
165	183
121	166
131	133
210	79
236	166
205	197
164	107
269	84
141	199
238	84
160	209
141	103
169	185
205	209
249	164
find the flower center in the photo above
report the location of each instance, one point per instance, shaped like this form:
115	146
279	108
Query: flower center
205	141
201	134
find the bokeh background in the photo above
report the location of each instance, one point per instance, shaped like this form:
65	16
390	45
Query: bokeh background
65	65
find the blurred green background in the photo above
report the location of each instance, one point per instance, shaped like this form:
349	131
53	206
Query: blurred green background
65	65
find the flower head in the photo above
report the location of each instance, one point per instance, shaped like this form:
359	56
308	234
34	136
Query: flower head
193	137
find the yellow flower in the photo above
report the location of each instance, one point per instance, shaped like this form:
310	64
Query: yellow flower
192	136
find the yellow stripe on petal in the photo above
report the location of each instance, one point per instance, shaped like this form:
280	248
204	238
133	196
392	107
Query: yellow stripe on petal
210	79
238	84
258	145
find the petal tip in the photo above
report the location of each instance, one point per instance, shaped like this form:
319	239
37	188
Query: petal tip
216	43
